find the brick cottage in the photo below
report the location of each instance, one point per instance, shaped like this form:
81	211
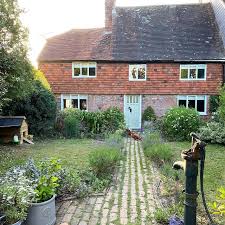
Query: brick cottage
159	56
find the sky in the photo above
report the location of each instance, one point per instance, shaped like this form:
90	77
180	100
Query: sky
46	18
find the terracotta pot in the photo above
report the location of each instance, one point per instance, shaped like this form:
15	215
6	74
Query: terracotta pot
42	213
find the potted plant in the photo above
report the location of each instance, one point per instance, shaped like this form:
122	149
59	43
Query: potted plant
42	210
16	194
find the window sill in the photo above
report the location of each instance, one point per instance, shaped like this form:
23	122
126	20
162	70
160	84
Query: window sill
192	79
83	77
137	79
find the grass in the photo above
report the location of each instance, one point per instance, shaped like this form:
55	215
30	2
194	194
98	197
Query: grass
173	181
214	176
72	152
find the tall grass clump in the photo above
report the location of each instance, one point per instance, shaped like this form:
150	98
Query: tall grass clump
156	150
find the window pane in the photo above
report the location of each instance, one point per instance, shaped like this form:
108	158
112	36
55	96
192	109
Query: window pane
141	72
201	73
84	71
66	103
83	104
75	103
182	103
184	73
76	71
192	73
91	71
133	72
191	103
200	105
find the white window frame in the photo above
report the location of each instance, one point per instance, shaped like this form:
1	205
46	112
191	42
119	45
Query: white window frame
81	65
196	98
70	97
138	66
193	66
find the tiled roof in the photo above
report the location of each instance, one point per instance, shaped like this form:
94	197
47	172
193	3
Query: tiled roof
76	44
153	33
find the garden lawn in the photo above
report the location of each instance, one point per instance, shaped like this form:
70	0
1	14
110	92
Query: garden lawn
214	176
72	152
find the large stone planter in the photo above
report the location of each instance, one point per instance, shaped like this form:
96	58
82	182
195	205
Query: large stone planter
42	213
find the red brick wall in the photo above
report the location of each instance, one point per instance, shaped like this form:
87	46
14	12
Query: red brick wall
112	78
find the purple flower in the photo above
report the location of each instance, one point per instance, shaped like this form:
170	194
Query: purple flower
175	221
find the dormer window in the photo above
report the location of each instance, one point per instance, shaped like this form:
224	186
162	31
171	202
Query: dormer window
137	72
193	72
84	69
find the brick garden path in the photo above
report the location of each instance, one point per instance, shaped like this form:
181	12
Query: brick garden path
129	201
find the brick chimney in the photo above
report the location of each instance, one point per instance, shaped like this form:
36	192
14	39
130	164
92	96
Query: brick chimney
109	6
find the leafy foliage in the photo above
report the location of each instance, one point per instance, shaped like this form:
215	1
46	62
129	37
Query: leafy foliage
149	114
77	123
15	69
179	122
221	108
39	108
213	132
213	103
39	76
218	206
48	180
16	195
104	161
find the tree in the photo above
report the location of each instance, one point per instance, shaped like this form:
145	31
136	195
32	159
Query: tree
16	74
39	107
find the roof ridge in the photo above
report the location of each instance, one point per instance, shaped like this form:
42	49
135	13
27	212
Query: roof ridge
165	5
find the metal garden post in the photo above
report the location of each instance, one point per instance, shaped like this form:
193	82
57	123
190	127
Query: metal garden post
190	166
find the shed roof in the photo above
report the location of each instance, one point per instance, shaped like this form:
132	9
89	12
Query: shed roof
11	121
148	33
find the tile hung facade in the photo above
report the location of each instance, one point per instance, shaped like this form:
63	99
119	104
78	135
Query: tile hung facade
159	56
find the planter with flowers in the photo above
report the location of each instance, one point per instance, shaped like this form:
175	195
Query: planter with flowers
42	210
16	195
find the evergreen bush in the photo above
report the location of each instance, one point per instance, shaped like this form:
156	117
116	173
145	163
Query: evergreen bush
179	122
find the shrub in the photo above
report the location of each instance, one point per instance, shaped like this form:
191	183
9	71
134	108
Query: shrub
115	140
39	109
104	161
48	180
113	120
159	153
16	195
213	103
218	206
71	126
213	132
74	122
179	122
149	114
221	108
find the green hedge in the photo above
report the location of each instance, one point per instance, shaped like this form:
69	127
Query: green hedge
76	123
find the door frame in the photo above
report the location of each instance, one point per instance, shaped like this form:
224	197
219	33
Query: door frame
140	105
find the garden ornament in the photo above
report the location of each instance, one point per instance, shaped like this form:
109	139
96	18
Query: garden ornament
190	166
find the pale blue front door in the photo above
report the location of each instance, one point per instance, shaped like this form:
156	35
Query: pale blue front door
132	111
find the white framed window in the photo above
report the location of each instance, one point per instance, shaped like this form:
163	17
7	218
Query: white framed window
193	101
84	69
137	72
74	101
193	72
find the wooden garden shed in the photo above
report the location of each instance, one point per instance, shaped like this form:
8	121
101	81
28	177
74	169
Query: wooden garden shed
11	126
